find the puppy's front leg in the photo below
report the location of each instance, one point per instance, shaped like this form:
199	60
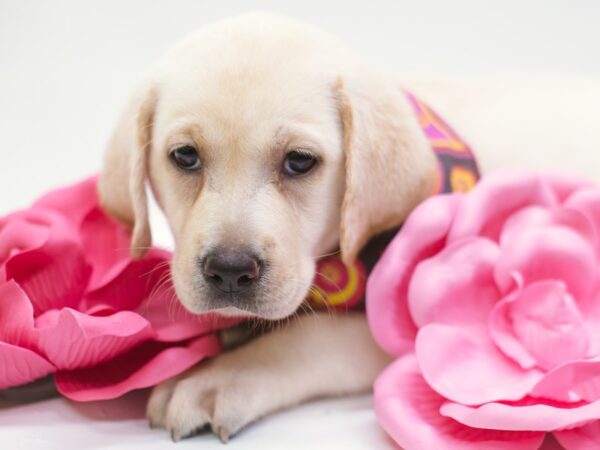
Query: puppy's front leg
316	355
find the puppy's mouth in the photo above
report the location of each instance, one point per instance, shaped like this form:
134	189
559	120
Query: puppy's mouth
231	292
252	303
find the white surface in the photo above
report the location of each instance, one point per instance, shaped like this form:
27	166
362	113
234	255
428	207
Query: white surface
57	424
66	68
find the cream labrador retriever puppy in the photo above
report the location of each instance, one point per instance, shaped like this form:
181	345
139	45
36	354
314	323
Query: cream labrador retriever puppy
267	144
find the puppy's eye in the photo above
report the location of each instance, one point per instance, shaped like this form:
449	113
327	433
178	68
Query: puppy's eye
298	163
186	157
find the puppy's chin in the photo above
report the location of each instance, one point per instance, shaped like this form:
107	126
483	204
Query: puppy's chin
236	312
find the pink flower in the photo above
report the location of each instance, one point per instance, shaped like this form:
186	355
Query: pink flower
491	302
73	303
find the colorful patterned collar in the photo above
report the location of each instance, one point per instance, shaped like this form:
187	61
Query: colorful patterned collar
339	286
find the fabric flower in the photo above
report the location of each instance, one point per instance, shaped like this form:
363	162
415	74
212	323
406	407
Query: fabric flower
491	303
74	304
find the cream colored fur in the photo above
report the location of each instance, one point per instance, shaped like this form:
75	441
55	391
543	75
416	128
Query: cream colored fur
246	90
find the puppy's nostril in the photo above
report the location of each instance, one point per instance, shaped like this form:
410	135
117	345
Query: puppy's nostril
231	271
246	280
214	277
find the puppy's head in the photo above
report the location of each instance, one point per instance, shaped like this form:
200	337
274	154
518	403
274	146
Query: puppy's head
266	145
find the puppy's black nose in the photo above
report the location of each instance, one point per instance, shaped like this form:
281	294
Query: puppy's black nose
231	271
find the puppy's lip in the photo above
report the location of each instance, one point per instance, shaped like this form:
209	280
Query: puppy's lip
232	311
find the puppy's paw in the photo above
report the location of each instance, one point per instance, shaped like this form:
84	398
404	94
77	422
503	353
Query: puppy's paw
221	396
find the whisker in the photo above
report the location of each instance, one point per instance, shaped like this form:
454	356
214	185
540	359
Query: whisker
339	289
133	247
336	252
324	301
159	266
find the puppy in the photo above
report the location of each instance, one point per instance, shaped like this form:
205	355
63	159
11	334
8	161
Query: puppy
267	144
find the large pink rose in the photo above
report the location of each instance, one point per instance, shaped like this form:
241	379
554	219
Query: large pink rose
491	303
73	303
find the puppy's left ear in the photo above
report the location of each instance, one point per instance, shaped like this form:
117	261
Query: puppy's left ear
122	183
390	166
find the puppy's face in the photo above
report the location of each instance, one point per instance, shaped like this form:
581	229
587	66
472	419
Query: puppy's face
265	146
249	170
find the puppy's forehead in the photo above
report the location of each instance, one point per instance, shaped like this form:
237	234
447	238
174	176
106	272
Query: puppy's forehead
252	102
249	81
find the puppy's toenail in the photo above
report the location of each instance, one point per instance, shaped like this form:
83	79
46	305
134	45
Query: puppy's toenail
223	435
175	436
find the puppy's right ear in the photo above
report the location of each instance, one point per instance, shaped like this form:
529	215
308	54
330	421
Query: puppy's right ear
390	166
122	184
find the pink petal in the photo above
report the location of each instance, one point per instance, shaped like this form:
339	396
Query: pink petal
546	321
538	217
587	202
19	235
540	325
571	382
73	202
542	416
586	437
31	228
502	333
550	443
147	365
106	246
20	365
564	185
73	340
464	291
408	409
554	252
463	365
16	316
53	276
422	236
172	322
27	230
125	286
495	198
590	311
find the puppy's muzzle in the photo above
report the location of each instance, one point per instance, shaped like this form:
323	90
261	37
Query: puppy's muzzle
231	272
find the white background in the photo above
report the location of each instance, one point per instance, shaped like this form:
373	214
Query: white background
66	68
